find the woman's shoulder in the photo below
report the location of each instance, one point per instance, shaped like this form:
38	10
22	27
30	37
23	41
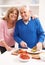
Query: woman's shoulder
2	22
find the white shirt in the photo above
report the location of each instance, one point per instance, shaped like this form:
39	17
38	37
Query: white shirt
27	21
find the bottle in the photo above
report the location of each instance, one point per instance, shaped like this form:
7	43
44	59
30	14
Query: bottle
16	46
0	52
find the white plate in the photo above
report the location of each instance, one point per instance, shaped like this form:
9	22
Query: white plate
20	59
35	52
42	56
29	51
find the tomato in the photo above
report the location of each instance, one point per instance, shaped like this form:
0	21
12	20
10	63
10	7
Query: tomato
21	51
24	56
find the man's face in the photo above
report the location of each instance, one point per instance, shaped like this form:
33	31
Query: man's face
25	14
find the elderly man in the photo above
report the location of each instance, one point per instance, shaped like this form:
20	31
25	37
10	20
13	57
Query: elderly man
28	31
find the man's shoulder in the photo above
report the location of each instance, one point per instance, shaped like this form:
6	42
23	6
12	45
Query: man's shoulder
19	21
36	20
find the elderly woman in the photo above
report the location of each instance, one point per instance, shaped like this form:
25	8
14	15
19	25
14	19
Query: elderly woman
6	29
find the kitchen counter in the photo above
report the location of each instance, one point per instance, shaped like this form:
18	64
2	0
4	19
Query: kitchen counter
8	59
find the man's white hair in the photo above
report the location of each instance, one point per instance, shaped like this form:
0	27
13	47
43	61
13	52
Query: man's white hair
25	6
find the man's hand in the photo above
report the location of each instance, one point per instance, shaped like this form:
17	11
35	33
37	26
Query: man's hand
23	44
39	46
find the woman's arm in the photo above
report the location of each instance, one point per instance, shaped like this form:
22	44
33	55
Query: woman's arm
2	39
8	48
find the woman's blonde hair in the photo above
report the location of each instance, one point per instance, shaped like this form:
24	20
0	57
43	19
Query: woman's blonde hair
10	10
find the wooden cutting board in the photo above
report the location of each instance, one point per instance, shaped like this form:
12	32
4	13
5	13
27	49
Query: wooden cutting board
35	56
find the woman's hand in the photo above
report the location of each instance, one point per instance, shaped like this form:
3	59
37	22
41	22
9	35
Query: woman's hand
8	48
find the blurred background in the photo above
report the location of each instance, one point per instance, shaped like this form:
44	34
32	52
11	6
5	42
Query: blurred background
37	8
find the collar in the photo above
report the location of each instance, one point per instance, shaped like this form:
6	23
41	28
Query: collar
27	21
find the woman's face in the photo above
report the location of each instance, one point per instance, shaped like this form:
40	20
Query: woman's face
13	16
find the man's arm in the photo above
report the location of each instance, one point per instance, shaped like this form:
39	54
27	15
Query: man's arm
16	34
40	34
17	38
40	31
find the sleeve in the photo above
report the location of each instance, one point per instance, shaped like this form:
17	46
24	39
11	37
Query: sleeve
40	31
1	31
16	34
